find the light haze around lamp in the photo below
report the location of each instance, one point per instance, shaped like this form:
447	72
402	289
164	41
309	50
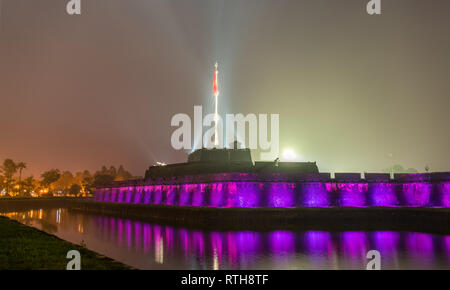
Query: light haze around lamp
289	155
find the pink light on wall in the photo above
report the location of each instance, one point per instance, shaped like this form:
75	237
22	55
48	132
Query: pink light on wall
279	194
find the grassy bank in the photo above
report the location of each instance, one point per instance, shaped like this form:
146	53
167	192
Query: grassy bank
26	248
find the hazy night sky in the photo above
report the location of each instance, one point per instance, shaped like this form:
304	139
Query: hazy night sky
101	88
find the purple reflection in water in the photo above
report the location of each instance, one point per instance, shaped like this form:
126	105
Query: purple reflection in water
147	238
137	234
198	243
112	229
217	249
420	243
319	247
446	242
120	231
282	242
355	245
169	238
151	246
386	243
128	233
232	249
318	242
183	236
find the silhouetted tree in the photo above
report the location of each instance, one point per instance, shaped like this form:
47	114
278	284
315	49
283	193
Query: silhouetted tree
9	168
20	166
64	182
117	175
2	181
87	184
29	185
122	174
80	176
102	180
49	177
75	189
397	168
112	171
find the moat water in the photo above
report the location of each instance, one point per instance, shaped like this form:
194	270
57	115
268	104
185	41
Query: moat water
156	246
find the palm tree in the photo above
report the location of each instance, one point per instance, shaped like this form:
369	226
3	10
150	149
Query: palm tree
9	168
28	185
20	166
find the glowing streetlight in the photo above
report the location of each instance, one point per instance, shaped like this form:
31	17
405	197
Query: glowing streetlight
289	155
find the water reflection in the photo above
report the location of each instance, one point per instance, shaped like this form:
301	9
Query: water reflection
152	246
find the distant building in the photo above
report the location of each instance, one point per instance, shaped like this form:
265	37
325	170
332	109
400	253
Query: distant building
205	161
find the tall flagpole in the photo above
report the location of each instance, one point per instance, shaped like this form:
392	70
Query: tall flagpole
216	112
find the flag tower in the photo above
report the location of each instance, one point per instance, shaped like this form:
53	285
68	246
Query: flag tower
216	96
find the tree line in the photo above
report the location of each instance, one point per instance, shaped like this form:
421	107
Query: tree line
54	182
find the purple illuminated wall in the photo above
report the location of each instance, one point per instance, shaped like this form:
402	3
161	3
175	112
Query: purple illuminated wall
407	191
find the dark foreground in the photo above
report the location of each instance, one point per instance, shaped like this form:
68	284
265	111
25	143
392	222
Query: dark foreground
26	248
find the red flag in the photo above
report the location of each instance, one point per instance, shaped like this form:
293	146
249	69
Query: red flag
215	83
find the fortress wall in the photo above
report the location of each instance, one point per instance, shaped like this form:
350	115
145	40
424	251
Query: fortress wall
377	177
347	177
412	177
248	190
